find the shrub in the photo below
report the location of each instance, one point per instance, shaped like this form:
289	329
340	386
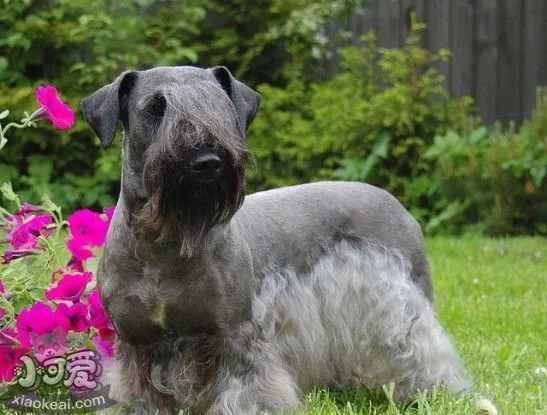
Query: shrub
80	45
372	121
490	180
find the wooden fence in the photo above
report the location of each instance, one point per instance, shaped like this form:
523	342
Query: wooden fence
499	46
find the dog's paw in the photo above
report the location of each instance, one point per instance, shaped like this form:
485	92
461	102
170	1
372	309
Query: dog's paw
486	407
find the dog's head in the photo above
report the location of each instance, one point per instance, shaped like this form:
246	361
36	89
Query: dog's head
184	148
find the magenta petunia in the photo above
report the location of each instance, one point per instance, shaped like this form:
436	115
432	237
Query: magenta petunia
27	208
79	251
8	337
12	223
109	212
9	360
70	288
10	255
88	227
107	332
106	348
75	265
72	318
24	235
2	313
98	317
59	113
39	319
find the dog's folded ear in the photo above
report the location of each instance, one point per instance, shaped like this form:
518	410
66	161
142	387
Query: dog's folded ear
246	101
105	107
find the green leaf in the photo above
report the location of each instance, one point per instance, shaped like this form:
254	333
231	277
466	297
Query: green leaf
7	192
453	209
381	144
4	114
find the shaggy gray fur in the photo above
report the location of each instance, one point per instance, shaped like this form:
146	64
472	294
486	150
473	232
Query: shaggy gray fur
229	307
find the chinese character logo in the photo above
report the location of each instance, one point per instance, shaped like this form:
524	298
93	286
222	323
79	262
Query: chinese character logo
79	370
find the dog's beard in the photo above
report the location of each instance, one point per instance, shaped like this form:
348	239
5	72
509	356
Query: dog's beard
182	210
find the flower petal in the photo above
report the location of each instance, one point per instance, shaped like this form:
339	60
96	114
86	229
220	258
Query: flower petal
59	113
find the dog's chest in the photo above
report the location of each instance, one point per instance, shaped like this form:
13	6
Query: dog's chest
181	297
158	300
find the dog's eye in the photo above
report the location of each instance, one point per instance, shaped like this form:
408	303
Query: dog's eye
156	106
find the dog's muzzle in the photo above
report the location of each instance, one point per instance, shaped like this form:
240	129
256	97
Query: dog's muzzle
206	166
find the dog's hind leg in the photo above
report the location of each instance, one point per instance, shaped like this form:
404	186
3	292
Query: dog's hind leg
403	341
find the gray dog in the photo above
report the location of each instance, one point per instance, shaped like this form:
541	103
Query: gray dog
231	307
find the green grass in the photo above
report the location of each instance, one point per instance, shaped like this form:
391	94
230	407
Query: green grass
491	296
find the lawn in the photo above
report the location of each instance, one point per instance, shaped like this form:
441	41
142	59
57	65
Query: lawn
491	296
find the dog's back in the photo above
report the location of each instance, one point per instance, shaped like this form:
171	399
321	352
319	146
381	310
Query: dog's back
293	226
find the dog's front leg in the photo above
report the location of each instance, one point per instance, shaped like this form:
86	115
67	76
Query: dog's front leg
269	392
251	378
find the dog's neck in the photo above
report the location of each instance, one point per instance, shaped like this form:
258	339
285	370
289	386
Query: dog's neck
185	246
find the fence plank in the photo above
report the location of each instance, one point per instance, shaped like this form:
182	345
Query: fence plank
509	103
486	69
362	21
438	32
533	46
461	15
498	46
407	7
542	52
388	23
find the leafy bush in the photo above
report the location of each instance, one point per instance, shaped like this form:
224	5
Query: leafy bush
80	45
492	180
373	121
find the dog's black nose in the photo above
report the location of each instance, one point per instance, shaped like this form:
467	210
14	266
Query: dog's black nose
206	161
206	164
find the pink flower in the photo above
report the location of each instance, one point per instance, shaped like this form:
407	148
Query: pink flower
10	352
59	113
105	347
9	360
39	319
27	208
2	289
10	255
98	317
78	250
12	223
25	234
87	227
72	318
71	287
107	332
8	337
75	264
109	212
2	313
